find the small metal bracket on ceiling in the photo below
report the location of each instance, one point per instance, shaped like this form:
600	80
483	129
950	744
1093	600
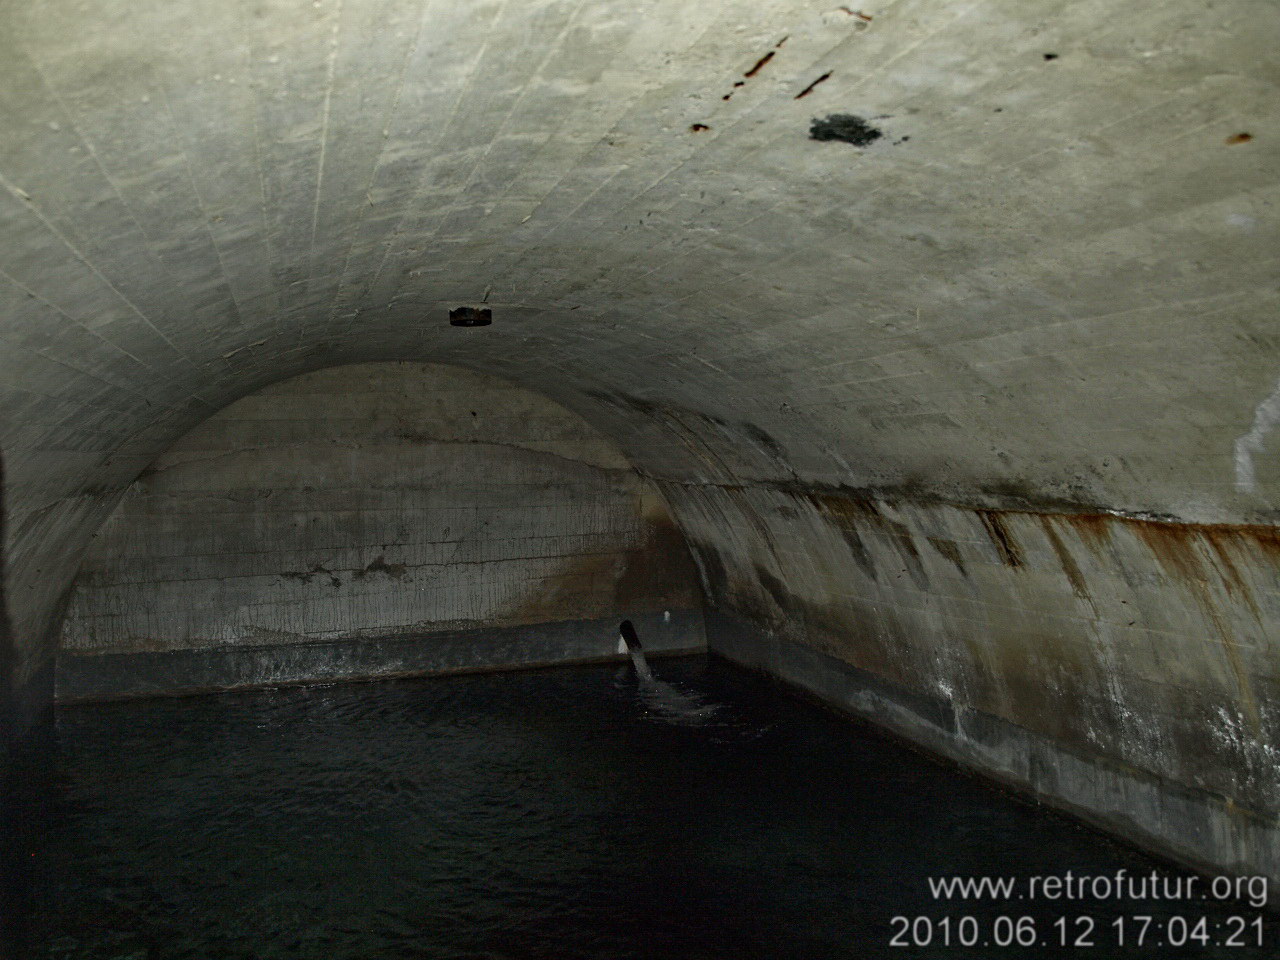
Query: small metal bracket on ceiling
470	317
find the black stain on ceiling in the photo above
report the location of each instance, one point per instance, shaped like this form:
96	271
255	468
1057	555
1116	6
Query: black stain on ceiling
471	317
845	127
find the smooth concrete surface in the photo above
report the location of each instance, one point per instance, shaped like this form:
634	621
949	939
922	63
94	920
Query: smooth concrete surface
1194	827
110	676
1046	290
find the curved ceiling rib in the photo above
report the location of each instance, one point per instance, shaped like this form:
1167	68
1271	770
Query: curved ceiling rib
1025	259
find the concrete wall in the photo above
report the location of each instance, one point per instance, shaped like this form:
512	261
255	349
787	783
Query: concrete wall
389	501
1048	288
1124	669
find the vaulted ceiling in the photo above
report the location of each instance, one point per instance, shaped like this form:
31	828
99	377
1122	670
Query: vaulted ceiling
1041	263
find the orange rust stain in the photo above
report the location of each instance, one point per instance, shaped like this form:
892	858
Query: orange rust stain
1198	555
1267	539
1174	548
1093	529
1171	539
1235	583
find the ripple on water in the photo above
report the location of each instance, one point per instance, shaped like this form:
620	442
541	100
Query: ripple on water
560	813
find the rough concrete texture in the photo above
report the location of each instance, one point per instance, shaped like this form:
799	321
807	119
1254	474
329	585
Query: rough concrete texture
1048	287
1127	645
1160	814
376	501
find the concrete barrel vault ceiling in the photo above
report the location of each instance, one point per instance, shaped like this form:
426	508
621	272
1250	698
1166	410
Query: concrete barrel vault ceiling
1049	284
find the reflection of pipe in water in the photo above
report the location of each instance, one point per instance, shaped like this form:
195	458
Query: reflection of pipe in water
629	642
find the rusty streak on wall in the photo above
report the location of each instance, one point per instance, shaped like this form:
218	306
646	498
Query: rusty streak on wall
1144	644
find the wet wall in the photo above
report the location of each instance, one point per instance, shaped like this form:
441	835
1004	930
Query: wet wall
369	520
1120	668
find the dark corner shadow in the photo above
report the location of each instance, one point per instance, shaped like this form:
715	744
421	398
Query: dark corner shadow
14	871
8	654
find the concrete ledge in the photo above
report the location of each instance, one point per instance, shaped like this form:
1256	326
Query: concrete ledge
1205	832
119	675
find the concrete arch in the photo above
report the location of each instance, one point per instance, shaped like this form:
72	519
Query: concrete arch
370	520
959	416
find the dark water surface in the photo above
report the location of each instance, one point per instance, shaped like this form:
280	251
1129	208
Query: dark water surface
555	814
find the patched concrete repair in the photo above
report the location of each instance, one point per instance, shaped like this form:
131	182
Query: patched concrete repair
969	426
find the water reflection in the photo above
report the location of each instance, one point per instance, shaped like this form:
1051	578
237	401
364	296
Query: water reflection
561	813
